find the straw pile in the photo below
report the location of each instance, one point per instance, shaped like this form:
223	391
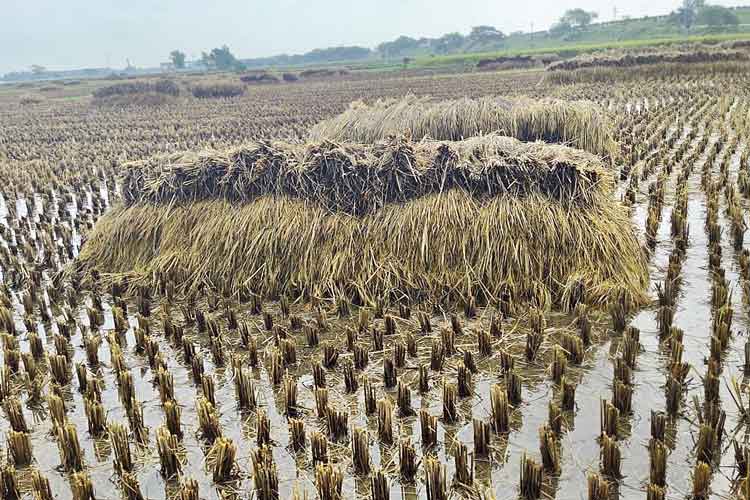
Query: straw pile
420	221
638	59
580	124
137	93
361	179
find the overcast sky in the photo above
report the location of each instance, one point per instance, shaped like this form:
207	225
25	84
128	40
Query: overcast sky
95	33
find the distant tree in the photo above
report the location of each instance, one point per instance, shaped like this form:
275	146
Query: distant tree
716	15
346	53
37	69
206	59
405	61
578	17
221	58
397	47
486	34
447	43
560	28
178	59
686	15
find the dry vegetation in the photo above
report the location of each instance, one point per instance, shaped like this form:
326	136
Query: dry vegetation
217	90
246	319
475	217
137	93
580	124
627	59
167	87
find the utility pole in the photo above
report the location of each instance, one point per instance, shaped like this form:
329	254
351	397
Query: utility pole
614	13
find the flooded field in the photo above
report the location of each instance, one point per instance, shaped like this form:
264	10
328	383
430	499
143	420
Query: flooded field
113	391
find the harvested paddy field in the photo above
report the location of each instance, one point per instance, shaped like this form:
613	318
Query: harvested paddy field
281	294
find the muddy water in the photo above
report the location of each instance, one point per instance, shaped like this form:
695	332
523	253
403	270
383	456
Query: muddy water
497	473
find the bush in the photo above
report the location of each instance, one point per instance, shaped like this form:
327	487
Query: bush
290	77
215	90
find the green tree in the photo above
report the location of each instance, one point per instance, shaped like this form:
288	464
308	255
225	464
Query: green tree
578	17
178	59
486	34
560	29
450	42
399	46
688	12
221	58
716	15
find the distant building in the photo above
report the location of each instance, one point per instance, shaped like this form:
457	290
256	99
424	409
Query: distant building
167	67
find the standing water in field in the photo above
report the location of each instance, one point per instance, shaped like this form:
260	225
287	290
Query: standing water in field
418	363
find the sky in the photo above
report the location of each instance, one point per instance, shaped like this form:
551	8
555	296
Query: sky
96	33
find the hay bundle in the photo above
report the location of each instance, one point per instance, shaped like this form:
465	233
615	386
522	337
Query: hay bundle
496	215
581	124
627	60
361	179
137	93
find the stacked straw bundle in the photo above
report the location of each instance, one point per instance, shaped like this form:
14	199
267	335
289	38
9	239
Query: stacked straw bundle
418	220
580	124
628	60
361	179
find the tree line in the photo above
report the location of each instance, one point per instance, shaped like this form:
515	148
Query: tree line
573	21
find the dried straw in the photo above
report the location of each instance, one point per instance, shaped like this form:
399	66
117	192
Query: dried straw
558	211
581	124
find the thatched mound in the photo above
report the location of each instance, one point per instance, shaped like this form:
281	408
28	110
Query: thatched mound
580	124
519	234
359	179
